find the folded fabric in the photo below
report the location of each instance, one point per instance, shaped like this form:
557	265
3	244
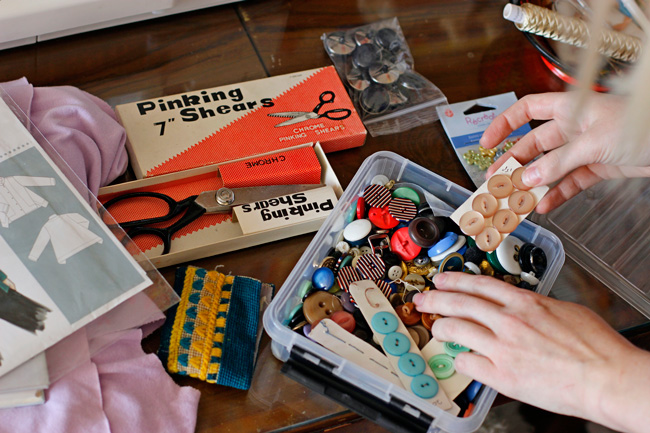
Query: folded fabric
212	334
82	128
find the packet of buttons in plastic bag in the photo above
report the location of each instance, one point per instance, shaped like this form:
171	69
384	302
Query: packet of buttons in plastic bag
376	66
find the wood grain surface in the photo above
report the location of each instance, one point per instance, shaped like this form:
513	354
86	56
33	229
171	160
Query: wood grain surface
463	46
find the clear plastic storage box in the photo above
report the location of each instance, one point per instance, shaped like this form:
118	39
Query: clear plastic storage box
345	382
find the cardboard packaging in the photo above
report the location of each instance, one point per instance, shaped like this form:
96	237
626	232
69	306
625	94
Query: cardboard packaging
465	122
211	126
247	226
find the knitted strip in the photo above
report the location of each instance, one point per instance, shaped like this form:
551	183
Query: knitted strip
179	320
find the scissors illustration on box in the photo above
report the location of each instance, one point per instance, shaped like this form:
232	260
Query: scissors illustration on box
222	200
327	97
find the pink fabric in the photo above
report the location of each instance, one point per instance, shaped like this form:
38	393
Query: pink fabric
121	390
102	381
82	128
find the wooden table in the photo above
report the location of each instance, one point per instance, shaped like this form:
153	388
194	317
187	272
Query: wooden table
463	46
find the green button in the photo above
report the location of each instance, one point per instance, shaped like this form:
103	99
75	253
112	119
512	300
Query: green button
454	262
453	349
407	193
492	260
442	366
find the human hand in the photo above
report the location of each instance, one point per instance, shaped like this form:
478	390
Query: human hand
581	153
555	355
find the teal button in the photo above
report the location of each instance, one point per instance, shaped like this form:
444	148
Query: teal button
442	366
384	322
411	364
424	386
396	344
453	349
454	262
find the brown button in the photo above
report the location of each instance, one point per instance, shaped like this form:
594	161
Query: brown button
408	314
516	179
505	221
320	305
423	335
485	204
428	319
500	186
488	240
521	202
414	335
472	223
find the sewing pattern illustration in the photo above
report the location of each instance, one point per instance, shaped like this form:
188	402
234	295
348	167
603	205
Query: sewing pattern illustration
68	233
19	310
17	200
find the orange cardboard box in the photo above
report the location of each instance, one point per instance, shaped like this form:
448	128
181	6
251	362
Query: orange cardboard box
212	126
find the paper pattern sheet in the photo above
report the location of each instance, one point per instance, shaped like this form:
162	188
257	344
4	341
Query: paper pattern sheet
60	266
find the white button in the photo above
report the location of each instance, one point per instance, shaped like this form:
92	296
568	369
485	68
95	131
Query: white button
530	278
508	254
455	247
394	273
380	179
473	267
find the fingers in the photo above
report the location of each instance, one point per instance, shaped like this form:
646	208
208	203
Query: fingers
541	139
479	285
542	107
477	367
576	182
464	332
460	305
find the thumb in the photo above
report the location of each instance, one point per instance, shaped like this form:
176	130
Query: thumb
559	162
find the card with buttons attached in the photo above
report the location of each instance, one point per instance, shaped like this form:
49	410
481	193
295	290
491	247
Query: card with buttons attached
498	206
345	344
441	357
400	348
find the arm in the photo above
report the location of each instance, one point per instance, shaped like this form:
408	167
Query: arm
579	152
552	354
39	245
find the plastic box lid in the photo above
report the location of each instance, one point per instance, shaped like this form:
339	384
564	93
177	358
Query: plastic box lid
605	230
442	195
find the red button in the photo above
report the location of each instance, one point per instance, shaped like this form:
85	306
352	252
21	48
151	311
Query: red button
381	217
361	208
402	244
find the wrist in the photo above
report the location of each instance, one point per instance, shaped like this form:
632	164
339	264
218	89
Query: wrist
620	401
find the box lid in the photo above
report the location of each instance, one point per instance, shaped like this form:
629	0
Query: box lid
605	230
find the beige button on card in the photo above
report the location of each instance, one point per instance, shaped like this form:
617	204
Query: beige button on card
514	203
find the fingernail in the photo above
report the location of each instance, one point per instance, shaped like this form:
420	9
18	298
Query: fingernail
418	299
439	279
531	176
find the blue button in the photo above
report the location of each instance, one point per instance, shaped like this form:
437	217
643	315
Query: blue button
396	344
443	244
424	386
323	279
384	322
411	364
472	390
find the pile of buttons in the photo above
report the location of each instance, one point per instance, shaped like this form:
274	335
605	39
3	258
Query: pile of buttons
394	238
377	66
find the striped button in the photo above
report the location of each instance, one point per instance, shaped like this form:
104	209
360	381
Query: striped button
371	267
347	275
376	195
402	209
